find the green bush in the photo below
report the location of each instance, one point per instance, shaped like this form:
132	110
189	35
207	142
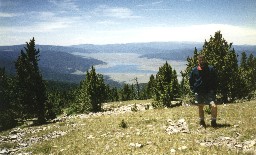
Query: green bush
123	124
79	108
7	120
157	105
134	108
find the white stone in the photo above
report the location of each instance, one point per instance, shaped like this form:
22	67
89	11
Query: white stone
13	137
90	137
4	151
173	150
137	145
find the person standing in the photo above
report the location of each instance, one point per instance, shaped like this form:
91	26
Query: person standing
203	83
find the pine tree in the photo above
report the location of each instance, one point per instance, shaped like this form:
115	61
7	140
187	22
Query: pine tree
251	63
137	90
96	89
133	92
175	85
244	78
192	62
3	90
150	89
167	86
32	90
114	92
126	93
92	93
220	54
8	111
243	62
247	73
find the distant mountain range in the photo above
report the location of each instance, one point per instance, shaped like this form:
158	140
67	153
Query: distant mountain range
59	62
141	48
56	62
160	50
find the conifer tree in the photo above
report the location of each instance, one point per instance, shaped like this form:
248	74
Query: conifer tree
126	93
109	94
175	85
244	78
133	92
248	75
96	89
114	93
243	62
192	62
222	56
150	89
31	87
8	111
3	89
137	90
92	93
251	63
166	85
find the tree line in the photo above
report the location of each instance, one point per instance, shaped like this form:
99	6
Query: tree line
27	96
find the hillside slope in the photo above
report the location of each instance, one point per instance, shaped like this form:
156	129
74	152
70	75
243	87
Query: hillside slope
56	63
135	128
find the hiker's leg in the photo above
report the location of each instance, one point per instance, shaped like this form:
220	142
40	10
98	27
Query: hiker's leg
214	111
201	116
201	111
214	114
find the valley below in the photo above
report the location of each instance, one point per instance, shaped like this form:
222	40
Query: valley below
118	63
125	67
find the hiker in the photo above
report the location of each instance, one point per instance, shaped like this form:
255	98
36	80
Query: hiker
203	82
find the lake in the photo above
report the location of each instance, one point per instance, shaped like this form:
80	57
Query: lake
125	67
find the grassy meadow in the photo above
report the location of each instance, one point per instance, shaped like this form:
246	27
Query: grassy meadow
144	132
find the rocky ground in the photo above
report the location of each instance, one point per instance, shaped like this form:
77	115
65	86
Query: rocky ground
18	136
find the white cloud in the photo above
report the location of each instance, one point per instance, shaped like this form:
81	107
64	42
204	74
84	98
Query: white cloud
235	34
195	33
5	3
48	22
68	5
39	27
45	15
107	22
5	30
186	0
114	12
50	26
8	15
157	2
63	32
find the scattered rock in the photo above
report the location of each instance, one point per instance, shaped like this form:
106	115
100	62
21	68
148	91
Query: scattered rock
4	151
182	148
17	136
177	127
136	145
13	137
90	137
173	150
235	126
149	143
230	142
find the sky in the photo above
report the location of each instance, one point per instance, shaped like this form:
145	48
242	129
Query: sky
73	22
